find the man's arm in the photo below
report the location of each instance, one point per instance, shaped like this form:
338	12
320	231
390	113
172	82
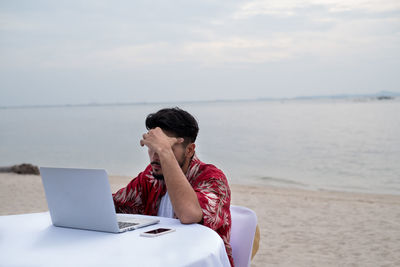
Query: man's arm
183	197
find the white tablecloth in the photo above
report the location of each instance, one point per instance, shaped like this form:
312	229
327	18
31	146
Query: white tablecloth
31	240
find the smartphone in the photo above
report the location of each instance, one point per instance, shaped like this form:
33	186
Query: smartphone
157	232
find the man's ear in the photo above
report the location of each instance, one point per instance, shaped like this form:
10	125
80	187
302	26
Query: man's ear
190	149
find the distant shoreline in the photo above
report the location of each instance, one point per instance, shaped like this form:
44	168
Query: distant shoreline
365	97
27	169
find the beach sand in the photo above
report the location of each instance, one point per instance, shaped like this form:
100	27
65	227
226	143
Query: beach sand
298	227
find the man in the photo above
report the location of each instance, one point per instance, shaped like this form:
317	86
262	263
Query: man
176	183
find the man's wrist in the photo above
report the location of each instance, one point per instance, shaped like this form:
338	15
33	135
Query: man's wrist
166	154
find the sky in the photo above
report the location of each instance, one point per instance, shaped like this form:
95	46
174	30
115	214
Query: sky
94	51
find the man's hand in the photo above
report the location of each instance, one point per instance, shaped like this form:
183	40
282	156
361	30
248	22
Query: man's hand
158	141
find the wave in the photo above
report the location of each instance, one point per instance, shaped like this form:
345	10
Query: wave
281	181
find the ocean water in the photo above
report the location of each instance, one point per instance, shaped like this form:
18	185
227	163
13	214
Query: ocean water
341	145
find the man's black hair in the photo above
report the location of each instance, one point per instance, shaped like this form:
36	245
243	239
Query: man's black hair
176	121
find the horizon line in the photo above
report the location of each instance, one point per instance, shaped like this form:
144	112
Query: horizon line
388	94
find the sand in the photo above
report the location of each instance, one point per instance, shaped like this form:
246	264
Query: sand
298	227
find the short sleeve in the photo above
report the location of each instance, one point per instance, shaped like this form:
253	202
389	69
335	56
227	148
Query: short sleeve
214	199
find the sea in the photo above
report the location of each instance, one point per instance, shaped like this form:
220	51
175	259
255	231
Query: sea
317	144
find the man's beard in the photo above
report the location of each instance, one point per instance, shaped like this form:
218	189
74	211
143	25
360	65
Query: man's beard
160	177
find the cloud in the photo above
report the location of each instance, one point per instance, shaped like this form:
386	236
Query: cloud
289	7
217	44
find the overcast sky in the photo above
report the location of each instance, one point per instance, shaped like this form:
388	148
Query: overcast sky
71	52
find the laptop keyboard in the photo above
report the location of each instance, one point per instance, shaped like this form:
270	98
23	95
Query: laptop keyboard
123	225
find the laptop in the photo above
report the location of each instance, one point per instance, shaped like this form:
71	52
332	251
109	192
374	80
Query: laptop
82	199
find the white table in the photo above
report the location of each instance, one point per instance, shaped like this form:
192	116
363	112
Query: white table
31	240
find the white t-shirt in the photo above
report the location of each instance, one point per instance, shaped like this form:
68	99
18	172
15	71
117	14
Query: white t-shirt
166	209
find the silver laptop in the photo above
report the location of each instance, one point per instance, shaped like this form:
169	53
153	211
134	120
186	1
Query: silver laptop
81	198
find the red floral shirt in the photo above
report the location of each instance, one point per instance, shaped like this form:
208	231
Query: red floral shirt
143	196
